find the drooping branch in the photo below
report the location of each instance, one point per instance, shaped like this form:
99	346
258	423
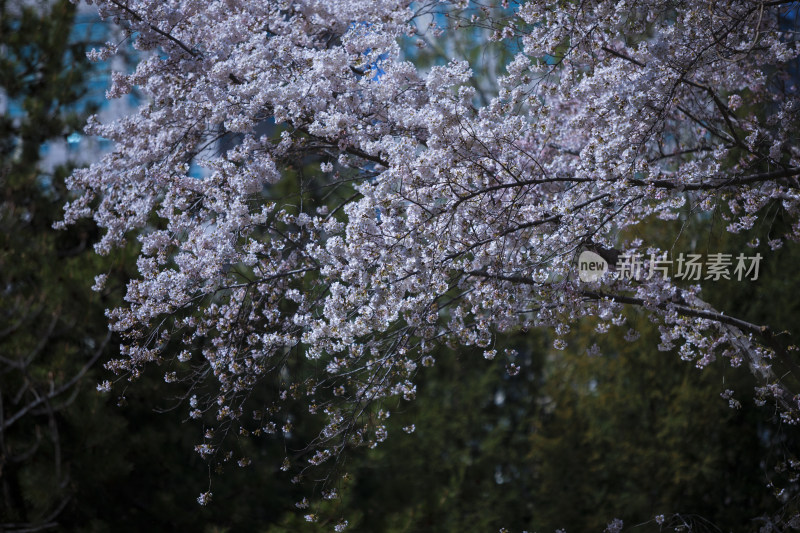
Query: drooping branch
57	391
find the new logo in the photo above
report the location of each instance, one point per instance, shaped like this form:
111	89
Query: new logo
591	266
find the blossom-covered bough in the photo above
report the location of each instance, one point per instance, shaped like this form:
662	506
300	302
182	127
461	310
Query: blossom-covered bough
465	208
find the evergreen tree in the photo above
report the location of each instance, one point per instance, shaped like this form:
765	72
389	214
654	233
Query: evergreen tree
53	333
70	457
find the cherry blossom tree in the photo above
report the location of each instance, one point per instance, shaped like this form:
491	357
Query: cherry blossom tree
443	210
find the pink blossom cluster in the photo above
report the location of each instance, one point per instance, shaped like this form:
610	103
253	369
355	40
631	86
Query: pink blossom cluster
467	204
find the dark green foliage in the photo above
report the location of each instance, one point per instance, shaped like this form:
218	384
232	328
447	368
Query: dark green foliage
464	468
636	433
69	457
52	326
571	442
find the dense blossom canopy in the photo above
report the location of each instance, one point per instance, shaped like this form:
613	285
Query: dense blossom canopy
466	208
